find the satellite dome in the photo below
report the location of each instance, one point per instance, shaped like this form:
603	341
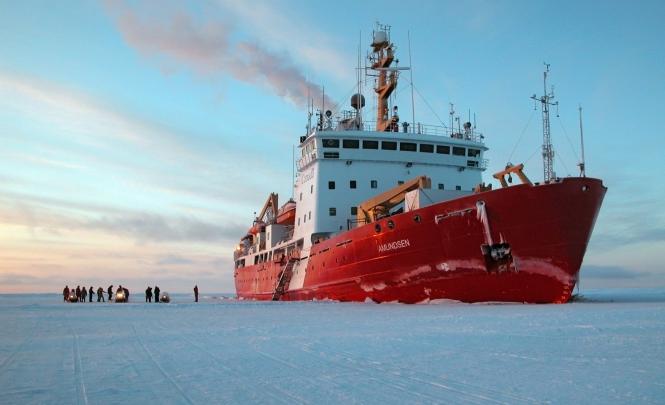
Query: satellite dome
357	101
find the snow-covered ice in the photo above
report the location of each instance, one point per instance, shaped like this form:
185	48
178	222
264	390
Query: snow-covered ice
607	348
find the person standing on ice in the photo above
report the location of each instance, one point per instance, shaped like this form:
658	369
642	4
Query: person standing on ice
156	294
148	294
90	293
84	294
126	291
100	294
78	293
196	293
65	293
110	291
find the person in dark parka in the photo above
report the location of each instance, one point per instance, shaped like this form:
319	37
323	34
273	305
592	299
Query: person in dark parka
100	294
126	293
148	294
110	291
84	294
156	294
196	293
90	293
78	293
65	293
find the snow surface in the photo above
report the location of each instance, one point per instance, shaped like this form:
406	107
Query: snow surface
607	348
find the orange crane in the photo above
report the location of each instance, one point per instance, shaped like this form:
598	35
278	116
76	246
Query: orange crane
380	205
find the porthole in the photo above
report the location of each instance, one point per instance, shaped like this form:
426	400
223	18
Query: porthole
585	188
416	218
391	224
377	228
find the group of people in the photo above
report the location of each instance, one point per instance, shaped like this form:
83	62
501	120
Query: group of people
81	294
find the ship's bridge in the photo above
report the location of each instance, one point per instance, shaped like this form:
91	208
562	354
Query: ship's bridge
423	144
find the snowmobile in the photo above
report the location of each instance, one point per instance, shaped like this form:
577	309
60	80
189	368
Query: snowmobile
165	298
120	296
72	296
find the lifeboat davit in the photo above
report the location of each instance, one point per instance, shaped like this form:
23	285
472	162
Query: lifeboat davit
287	213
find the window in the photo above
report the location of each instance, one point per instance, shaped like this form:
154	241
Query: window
442	186
298	221
471	163
352	184
300	196
304	218
351	143
400	182
330	143
458	188
443	149
427	148
311	189
354	210
373	184
332	211
407	146
473	152
331	185
458	151
391	224
389	145
370	144
309	215
331	155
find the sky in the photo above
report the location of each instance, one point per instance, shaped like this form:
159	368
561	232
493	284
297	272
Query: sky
137	139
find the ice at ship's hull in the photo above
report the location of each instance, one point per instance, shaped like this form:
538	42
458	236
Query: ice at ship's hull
445	251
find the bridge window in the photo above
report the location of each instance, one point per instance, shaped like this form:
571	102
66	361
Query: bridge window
354	210
407	146
370	144
389	145
442	186
458	188
472	163
458	151
351	143
332	211
373	184
473	152
427	148
331	143
331	185
352	184
331	155
443	149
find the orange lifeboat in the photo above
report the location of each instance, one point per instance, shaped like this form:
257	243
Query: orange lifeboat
287	213
256	228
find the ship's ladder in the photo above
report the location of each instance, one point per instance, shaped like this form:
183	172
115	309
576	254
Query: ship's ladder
284	279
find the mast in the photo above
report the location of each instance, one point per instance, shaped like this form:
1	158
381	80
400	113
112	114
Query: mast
548	150
386	82
582	164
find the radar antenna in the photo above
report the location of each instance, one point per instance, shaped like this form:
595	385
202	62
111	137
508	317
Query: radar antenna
548	150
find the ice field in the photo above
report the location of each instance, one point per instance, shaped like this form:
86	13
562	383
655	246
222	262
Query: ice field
607	348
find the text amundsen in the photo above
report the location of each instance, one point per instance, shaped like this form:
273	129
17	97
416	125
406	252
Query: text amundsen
398	244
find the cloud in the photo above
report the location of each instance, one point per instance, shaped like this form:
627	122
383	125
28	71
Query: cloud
610	272
173	260
53	216
209	50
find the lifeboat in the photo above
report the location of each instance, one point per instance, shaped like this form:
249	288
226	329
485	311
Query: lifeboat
287	213
258	226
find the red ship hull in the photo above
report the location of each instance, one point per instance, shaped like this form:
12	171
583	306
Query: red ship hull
442	251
